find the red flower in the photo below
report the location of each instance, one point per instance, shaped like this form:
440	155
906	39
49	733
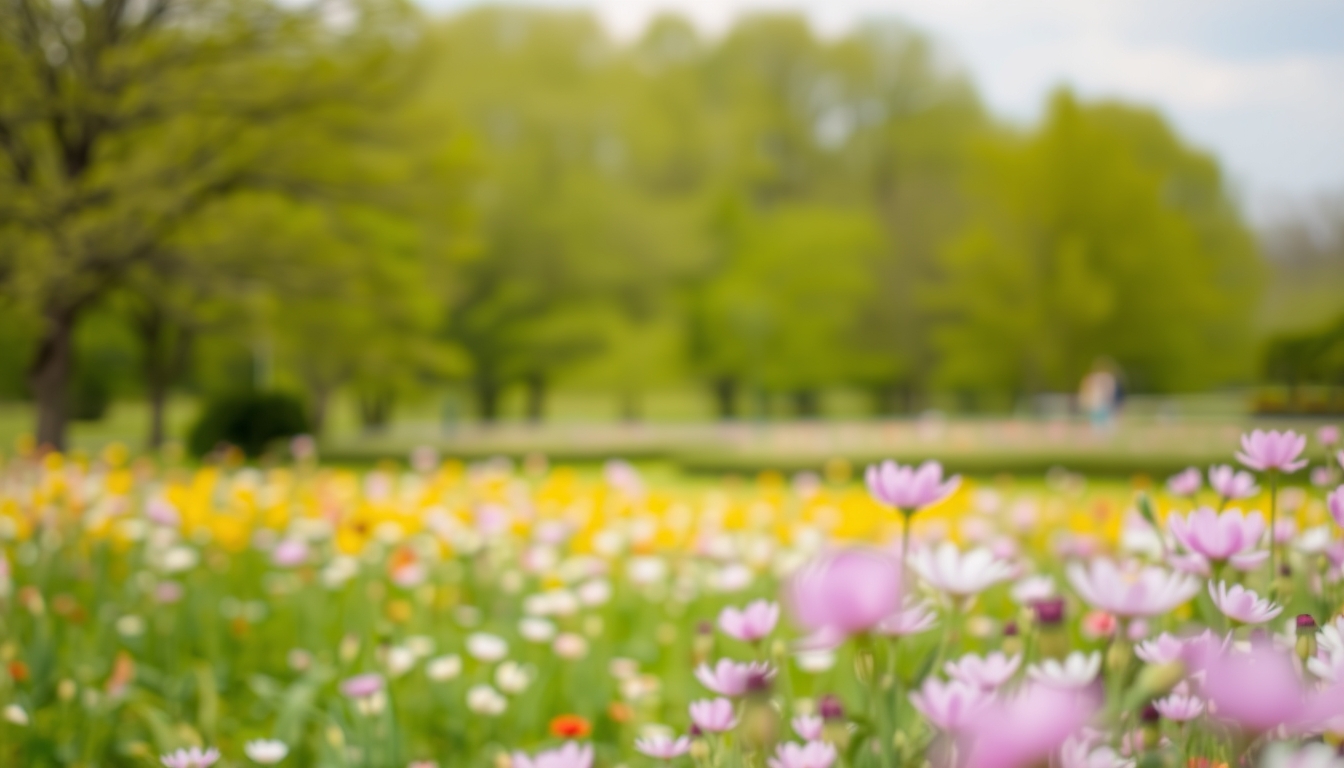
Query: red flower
570	727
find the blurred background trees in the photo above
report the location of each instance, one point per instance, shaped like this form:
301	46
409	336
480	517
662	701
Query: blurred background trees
359	204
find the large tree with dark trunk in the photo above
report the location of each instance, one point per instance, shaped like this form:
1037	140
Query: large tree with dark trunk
122	121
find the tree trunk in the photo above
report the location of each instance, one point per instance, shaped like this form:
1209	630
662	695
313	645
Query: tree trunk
487	399
806	404
725	397
631	410
321	396
49	378
375	410
536	397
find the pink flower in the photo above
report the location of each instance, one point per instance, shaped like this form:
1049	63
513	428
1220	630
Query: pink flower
1335	502
752	623
913	618
814	754
1232	484
713	715
1026	729
362	686
1132	590
1163	649
1321	476
1328	435
289	553
571	755
1179	707
1219	537
987	673
660	746
845	593
949	706
1243	605
1185	483
907	488
808	727
959	574
1273	450
730	678
190	758
1260	689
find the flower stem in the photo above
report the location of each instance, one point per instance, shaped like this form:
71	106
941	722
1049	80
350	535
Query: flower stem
1273	534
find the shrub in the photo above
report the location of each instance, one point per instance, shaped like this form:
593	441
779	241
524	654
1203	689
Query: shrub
250	421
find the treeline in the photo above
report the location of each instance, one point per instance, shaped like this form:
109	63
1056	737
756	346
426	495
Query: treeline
357	199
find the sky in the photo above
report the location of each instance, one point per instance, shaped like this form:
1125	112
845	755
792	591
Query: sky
1260	83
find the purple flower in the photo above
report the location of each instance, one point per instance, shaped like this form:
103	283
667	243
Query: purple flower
845	593
362	686
907	488
808	727
1185	483
1243	605
988	672
949	706
190	758
752	623
713	715
1219	537
1131	591
1024	730
1232	484
571	755
730	678
1335	502
1273	450
659	746
814	754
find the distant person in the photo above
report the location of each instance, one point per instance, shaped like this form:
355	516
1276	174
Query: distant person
1098	396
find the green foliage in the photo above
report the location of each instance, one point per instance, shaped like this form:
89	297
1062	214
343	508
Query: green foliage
250	421
1099	236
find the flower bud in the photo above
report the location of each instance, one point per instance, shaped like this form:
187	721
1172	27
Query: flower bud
1156	680
1306	636
1012	640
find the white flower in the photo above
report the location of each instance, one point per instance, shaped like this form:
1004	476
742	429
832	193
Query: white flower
594	592
1077	671
959	574
570	646
815	661
1243	605
443	668
646	569
420	645
1033	589
178	559
486	647
512	677
1318	755
399	660
266	751
1080	753
16	715
536	630
484	700
130	625
190	758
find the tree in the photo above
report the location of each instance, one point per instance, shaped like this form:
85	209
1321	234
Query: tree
121	121
1100	234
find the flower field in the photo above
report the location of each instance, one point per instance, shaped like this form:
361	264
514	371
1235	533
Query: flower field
523	616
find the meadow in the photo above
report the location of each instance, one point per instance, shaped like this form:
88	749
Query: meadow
503	614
